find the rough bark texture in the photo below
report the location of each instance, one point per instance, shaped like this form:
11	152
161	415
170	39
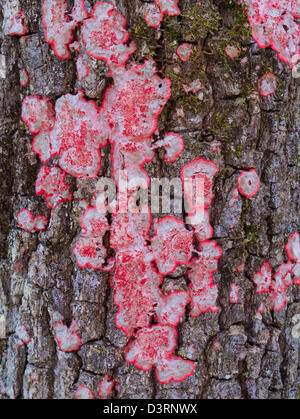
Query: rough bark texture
40	280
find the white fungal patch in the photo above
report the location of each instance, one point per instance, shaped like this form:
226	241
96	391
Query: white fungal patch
9	8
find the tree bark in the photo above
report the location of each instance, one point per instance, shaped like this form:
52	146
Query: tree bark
40	279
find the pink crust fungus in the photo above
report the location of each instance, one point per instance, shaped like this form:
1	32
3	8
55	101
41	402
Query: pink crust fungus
248	183
58	27
154	16
136	282
153	347
172	244
193	87
203	292
201	225
82	68
275	23
38	114
89	250
197	178
231	51
173	144
293	251
28	223
17	26
168	7
23	336
76	134
281	280
184	52
267	84
105	36
24	78
84	393
234	293
51	183
262	279
135	100
67	337
106	387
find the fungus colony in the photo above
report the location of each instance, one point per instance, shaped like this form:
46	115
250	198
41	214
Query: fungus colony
74	130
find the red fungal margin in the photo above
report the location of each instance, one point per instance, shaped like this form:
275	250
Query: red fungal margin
51	183
58	27
153	347
85	393
231	51
203	171
67	337
82	68
274	23
153	16
184	52
169	7
17	26
171	245
38	114
28	223
104	36
267	84
202	290
106	387
174	146
248	183
262	279
89	250
78	135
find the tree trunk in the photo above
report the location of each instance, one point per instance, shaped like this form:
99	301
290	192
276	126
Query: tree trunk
258	354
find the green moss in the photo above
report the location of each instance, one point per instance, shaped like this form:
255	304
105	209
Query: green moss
239	149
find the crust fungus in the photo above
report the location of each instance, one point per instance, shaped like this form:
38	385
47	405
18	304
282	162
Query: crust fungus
154	16
262	279
106	387
172	244
89	250
105	36
173	145
51	183
153	347
231	51
82	68
17	26
28	223
275	23
58	26
248	183
184	52
67	338
267	84
85	393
